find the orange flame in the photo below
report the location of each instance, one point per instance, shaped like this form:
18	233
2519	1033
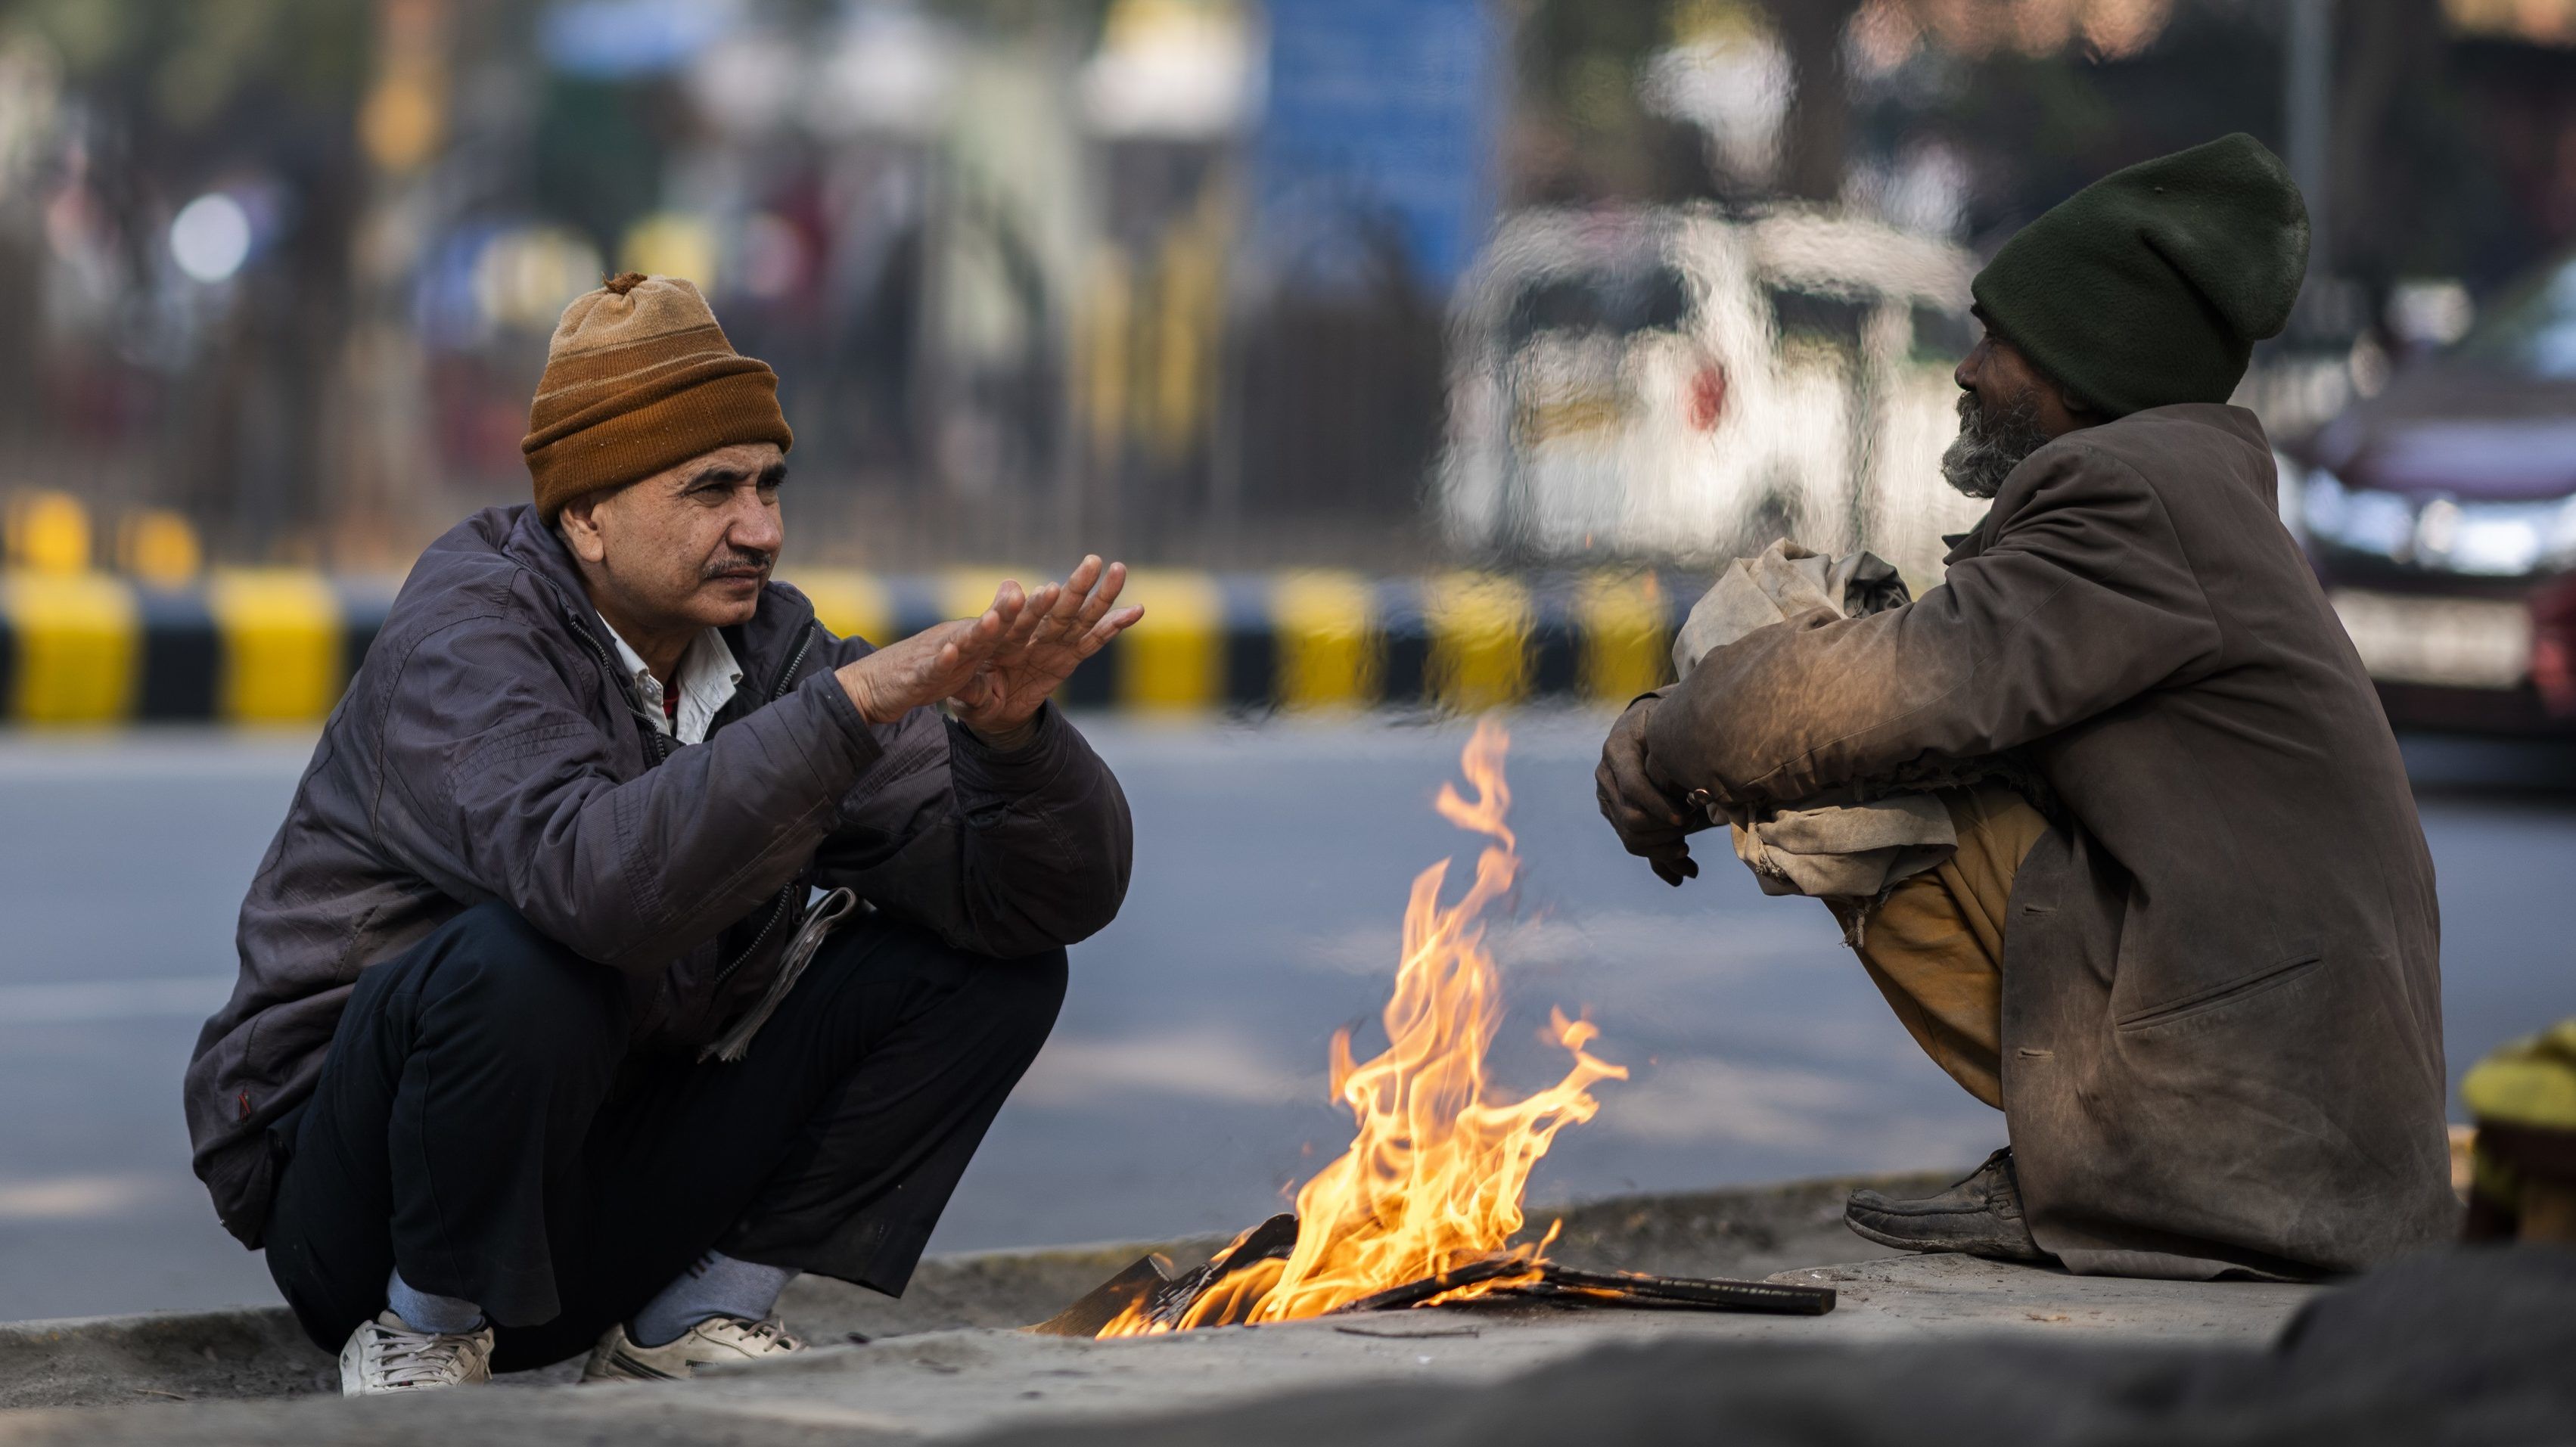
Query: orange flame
1434	1177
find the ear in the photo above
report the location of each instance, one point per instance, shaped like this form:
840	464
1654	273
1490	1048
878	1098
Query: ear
579	522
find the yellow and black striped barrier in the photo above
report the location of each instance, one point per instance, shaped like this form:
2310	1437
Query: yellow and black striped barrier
277	647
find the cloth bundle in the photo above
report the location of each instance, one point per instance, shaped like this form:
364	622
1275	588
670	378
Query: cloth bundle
1853	851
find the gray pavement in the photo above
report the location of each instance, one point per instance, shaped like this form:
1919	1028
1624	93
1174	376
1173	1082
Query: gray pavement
1183	1090
259	1352
964	1383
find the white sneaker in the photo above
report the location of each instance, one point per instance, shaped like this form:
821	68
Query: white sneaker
385	1356
717	1339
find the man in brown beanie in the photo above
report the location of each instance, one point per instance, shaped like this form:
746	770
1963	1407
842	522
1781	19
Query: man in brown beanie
539	1045
2186	937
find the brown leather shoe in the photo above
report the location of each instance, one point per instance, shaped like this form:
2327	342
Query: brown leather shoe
1980	1216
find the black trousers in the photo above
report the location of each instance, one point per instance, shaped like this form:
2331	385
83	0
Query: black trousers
482	1123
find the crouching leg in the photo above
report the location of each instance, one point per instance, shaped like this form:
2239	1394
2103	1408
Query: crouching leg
443	1140
1935	949
832	1146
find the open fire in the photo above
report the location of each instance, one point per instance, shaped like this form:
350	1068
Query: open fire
1422	1208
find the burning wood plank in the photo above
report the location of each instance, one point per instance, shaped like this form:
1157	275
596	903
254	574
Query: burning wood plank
1421	1208
1148	1292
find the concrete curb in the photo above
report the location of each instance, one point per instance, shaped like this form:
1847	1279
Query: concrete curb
1908	1330
277	647
260	1351
252	1351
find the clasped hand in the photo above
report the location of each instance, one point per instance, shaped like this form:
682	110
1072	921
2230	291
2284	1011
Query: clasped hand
1650	822
996	670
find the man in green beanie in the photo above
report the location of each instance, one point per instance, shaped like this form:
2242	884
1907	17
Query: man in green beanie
2187	939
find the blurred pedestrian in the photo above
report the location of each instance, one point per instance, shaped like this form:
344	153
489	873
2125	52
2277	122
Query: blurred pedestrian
539	1045
2184	933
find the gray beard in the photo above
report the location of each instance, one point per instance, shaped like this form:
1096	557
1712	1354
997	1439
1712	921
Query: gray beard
1991	443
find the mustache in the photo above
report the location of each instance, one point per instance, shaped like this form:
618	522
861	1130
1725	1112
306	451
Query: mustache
735	560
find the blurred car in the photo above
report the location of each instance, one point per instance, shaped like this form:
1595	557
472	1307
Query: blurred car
1683	384
2441	516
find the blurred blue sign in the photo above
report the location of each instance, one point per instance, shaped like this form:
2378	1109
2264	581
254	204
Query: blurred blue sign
626	39
1382	113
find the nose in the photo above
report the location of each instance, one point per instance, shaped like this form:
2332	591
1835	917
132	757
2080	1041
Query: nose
1965	374
757	526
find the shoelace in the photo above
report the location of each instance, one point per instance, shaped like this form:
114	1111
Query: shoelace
771	1335
419	1358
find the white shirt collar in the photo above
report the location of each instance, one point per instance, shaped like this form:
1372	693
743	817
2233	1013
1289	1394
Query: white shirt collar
707	678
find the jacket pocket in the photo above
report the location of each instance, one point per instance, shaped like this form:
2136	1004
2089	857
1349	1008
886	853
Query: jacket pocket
2220	997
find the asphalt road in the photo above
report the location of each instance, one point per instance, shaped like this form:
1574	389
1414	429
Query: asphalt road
1183	1090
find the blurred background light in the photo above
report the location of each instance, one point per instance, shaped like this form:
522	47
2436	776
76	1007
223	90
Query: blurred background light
210	237
748	84
47	532
158	547
672	243
773	257
526	276
2430	312
890	70
1731	80
1172	68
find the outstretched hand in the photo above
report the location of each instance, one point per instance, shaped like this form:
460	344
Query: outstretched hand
1062	624
935	662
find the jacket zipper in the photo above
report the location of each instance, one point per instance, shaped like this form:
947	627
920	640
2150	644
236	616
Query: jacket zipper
661	746
786	676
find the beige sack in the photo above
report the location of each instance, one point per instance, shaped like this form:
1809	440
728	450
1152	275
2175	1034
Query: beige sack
1855	851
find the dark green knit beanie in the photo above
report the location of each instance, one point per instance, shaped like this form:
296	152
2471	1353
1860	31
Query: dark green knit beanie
2152	285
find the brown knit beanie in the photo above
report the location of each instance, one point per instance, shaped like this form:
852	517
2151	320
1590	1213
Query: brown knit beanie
639	379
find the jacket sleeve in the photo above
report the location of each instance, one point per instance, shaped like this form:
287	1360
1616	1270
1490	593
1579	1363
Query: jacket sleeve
2081	601
498	787
1002	853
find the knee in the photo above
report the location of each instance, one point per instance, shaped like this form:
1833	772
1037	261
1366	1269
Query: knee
1025	994
520	988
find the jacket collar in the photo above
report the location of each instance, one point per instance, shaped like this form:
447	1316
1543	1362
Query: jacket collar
1968	544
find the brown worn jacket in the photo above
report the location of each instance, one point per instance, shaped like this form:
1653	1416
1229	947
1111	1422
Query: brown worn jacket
2222	988
489	748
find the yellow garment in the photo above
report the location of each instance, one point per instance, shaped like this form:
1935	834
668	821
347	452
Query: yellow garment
2523	1093
1936	945
2531	1081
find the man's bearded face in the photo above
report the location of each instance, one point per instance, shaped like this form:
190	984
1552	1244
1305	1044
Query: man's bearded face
1992	442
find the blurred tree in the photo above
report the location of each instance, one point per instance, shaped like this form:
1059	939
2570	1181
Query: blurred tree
2044	96
598	150
1582	132
2415	188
